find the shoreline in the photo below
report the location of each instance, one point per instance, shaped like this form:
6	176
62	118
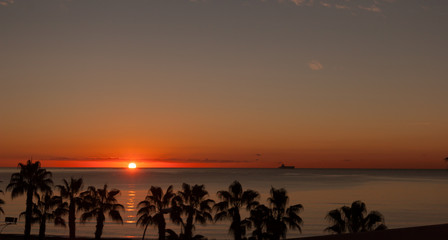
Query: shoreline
433	232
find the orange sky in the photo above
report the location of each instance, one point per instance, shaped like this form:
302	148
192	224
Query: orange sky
224	83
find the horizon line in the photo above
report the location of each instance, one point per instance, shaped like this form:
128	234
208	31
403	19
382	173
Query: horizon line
241	168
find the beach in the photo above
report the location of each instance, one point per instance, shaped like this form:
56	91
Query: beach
432	232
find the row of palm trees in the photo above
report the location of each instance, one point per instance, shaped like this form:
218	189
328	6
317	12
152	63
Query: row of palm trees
187	207
190	206
36	182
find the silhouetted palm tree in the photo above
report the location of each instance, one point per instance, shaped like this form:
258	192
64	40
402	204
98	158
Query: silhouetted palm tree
337	220
281	218
195	206
171	235
98	202
258	219
145	218
153	209
49	208
1	203
31	179
229	207
352	219
70	191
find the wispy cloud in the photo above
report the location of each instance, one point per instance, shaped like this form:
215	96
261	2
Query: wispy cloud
63	158
298	2
315	65
372	8
167	160
192	160
325	4
6	2
340	6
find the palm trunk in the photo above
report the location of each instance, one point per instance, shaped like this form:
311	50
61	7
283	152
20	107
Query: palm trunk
275	229
278	223
189	227
144	231
162	227
259	233
99	227
237	221
72	219
42	227
28	213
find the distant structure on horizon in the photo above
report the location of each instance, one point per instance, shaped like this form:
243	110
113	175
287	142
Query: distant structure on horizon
286	167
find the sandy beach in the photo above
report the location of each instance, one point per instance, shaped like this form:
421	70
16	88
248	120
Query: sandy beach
432	232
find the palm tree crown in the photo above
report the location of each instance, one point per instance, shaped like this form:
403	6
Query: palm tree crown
281	218
49	208
229	207
195	206
30	180
153	208
98	202
70	190
257	220
352	219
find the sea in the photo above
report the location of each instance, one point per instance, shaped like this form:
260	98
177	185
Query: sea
406	198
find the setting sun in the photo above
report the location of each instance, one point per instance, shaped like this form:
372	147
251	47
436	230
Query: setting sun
132	165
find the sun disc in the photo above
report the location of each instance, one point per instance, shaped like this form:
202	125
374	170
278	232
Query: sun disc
132	165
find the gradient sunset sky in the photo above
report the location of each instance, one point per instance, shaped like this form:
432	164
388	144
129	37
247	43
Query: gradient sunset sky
224	83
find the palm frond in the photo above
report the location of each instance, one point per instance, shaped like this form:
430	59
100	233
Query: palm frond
221	206
144	220
222	216
224	195
381	227
87	216
249	196
116	216
373	218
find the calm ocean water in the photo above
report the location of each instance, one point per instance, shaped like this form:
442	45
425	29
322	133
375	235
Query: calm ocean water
405	197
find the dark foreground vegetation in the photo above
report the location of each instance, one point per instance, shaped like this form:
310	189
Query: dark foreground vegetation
434	232
186	208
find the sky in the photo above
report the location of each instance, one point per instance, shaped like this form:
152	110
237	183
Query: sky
224	83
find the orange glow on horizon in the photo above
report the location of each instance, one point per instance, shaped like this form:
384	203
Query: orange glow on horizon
323	160
132	165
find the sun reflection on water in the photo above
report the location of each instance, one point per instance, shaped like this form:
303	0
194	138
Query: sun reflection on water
130	205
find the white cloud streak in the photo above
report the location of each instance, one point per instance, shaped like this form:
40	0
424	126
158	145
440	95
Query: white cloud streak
372	8
315	65
369	5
